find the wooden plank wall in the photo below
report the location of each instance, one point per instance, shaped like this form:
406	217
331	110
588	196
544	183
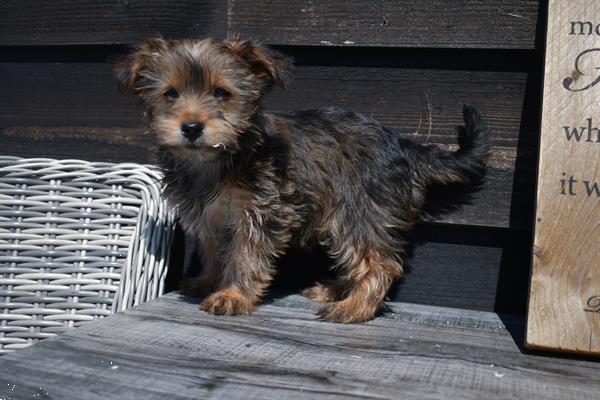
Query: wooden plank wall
409	64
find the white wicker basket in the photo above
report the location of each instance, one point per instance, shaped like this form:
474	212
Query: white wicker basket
78	241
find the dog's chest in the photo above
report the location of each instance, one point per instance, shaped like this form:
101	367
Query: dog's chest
225	211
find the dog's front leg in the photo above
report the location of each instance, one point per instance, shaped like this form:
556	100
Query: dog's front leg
247	272
212	267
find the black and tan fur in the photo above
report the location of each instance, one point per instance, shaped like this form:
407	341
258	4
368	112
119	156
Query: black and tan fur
253	184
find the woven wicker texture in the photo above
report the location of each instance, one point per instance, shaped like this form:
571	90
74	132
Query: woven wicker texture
78	241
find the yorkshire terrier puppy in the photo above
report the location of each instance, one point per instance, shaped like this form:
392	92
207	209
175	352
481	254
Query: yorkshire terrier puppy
249	185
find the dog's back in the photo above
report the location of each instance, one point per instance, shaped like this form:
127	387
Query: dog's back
334	154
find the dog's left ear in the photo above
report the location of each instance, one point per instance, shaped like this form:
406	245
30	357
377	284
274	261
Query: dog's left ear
266	63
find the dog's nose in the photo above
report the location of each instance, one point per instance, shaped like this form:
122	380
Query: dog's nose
192	129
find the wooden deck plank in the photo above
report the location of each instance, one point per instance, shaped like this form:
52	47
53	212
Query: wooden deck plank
169	348
107	22
499	202
466	23
54	104
406	23
424	102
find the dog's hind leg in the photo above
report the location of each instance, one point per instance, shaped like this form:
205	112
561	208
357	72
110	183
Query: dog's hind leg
364	238
369	279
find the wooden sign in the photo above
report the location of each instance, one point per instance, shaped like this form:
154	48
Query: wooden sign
564	299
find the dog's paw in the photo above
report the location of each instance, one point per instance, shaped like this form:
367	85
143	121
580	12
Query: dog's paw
346	312
228	302
323	292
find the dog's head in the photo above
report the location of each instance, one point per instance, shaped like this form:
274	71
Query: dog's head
201	94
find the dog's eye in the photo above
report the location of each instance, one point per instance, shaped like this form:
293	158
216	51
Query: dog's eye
171	94
222	94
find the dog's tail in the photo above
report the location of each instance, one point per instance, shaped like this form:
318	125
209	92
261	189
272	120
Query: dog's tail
468	163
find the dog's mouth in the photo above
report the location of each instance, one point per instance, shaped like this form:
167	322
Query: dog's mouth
196	144
192	144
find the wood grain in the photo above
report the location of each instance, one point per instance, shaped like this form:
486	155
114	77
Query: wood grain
168	348
498	201
31	22
424	102
116	144
72	109
406	23
564	305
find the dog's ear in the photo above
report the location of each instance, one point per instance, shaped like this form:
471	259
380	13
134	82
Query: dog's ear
268	64
130	68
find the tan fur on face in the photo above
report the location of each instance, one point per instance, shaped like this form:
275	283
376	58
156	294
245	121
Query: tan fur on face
216	130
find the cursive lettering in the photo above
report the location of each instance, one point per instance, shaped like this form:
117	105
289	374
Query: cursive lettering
594	304
568	82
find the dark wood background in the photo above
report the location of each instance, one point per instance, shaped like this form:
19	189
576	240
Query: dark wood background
411	64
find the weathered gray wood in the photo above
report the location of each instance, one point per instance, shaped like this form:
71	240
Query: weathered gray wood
564	299
170	349
405	23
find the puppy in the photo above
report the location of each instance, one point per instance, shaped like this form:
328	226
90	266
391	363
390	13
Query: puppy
249	184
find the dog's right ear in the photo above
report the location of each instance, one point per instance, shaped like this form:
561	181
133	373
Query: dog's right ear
130	68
